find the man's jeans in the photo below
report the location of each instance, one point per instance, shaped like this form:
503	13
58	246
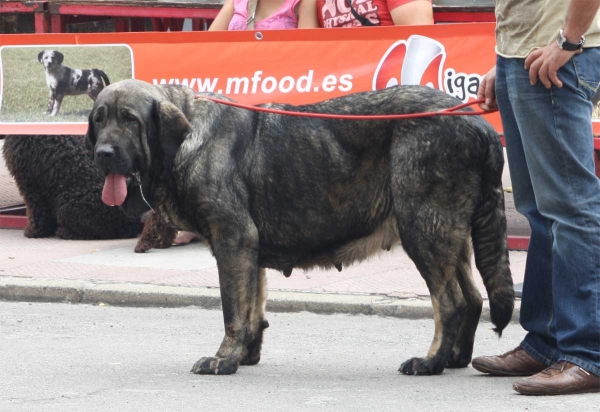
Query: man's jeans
550	155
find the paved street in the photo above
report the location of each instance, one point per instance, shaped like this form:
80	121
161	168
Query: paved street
75	357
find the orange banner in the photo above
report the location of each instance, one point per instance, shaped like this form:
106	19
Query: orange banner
291	66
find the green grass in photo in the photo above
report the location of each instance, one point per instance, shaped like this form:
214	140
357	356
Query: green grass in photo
25	93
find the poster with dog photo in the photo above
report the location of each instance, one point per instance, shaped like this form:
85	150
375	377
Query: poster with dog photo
43	84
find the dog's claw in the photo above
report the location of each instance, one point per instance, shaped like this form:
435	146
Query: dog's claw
420	366
338	266
287	272
214	366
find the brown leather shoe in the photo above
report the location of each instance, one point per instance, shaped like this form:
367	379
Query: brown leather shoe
517	362
562	378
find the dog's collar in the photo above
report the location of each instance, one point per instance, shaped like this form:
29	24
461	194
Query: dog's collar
138	181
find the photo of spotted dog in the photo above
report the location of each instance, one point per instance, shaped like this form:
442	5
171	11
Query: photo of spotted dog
64	81
24	88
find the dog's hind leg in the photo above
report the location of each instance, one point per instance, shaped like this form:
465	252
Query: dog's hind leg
434	242
258	321
86	217
40	220
237	260
463	347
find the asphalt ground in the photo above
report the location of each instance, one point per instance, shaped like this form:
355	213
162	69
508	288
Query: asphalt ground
61	357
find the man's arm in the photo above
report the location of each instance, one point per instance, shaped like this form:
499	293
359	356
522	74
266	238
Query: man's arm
580	15
544	63
487	91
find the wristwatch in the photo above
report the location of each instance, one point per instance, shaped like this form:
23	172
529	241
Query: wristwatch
564	44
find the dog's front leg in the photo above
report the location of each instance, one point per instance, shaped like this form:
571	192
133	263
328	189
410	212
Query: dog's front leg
156	234
51	100
258	321
57	102
237	261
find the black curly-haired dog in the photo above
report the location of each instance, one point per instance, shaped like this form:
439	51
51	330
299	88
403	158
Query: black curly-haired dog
62	189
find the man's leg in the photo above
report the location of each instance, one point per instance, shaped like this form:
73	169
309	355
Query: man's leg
558	148
538	349
559	153
568	192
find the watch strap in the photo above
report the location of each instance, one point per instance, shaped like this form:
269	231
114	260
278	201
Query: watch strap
564	44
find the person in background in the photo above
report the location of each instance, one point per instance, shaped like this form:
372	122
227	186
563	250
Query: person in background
547	73
357	13
269	15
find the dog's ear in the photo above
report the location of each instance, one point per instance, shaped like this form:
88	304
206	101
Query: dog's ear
40	55
59	57
90	136
173	126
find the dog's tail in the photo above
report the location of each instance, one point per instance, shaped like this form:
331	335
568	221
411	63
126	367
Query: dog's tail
489	235
104	77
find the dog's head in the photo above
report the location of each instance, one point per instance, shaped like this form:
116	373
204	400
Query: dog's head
134	132
50	59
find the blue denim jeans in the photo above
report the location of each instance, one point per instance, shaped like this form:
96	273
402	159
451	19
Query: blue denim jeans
549	144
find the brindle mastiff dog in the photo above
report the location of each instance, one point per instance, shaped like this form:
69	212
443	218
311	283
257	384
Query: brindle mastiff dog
282	192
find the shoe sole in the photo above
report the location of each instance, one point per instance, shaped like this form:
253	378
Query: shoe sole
536	393
496	372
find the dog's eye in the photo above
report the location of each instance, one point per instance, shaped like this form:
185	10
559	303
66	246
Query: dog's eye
128	116
98	117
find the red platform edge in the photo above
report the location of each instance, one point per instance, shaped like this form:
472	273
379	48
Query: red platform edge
13	222
518	242
133	11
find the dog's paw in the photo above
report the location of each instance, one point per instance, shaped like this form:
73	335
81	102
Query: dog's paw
66	234
458	361
33	232
142	247
421	366
214	366
250	359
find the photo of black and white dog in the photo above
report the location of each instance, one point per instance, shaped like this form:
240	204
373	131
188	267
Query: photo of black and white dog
63	81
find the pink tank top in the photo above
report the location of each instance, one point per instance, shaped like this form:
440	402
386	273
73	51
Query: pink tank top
283	18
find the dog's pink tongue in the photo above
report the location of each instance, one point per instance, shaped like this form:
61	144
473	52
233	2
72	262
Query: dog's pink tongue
115	189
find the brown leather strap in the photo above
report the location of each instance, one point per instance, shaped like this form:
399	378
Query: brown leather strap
251	12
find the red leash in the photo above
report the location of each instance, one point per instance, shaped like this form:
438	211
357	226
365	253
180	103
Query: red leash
452	111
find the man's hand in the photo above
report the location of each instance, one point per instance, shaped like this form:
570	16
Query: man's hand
545	62
487	90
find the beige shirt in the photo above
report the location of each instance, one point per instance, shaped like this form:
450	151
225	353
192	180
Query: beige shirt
524	25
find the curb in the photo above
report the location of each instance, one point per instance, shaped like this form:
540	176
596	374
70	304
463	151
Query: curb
144	295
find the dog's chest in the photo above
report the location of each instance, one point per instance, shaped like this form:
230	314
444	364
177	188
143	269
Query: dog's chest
56	78
51	80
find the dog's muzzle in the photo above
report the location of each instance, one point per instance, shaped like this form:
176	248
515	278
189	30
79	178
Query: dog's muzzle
105	152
